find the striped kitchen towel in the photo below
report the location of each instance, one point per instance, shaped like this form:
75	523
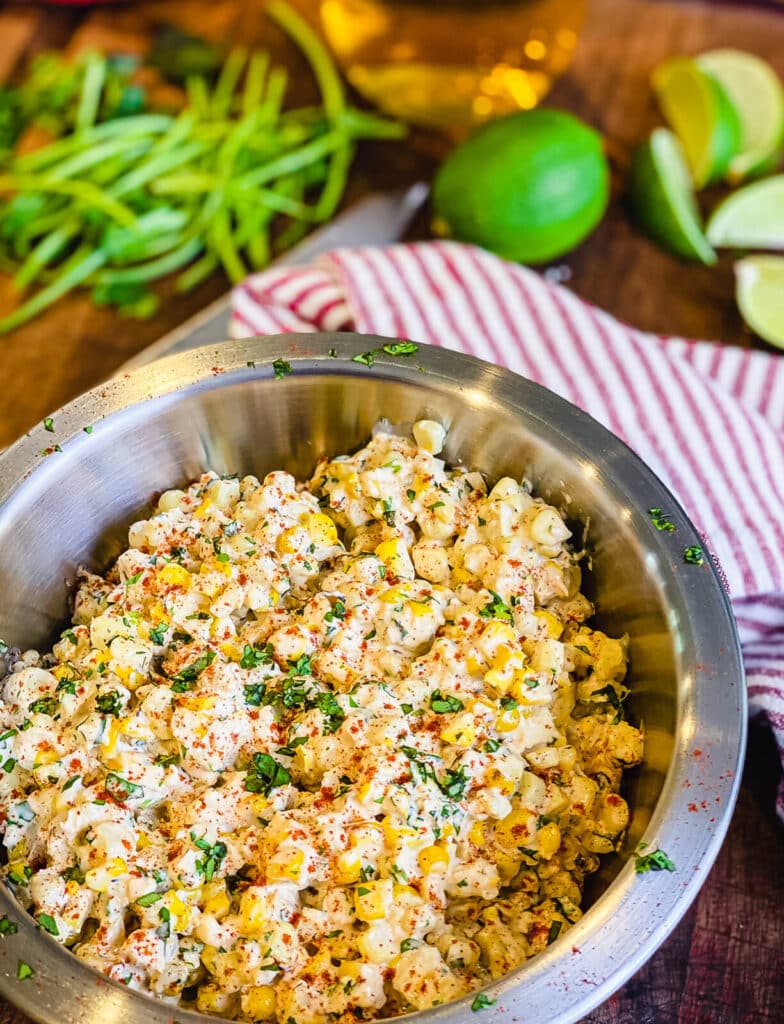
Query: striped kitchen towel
708	419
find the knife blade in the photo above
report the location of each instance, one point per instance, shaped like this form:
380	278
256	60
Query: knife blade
378	219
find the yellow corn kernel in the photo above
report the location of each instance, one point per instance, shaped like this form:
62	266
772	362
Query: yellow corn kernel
111	736
476	833
43	757
213	999
198	703
500	782
549	838
461	731
117	867
500	681
127	675
528	692
448	829
288	871
349	865
180	911
419	608
218	905
493	635
253	914
395	595
286	541
433	858
96	879
365	791
460	575
553	626
430	435
508	720
201	510
506	659
516	828
394	832
158	614
373	899
508	863
231	650
350	970
321	529
173	575
209	957
258	1002
143	841
391	551
406	896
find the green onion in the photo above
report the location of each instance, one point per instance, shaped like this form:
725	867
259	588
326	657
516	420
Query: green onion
118	202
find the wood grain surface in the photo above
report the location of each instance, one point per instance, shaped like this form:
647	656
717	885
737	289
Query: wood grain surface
724	963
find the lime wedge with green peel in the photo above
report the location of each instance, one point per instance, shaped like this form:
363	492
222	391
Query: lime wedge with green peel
751	218
698	110
759	290
756	93
663	197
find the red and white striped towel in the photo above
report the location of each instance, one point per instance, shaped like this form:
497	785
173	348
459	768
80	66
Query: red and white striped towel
708	419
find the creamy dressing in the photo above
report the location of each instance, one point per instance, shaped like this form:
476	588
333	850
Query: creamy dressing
341	749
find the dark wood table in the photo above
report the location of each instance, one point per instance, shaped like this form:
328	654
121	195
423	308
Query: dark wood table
724	963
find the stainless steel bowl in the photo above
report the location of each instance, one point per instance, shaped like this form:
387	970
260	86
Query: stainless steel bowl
223	408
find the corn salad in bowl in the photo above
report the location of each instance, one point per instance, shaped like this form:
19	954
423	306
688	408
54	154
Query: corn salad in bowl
318	751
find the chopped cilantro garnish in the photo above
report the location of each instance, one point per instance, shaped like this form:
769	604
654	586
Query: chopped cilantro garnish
49	424
338	611
45	706
694	554
482	1002
655	861
265	774
213	856
661	520
327	704
497	609
158	633
443	704
454	784
48	923
7	926
120	788
366	358
254	694
24	971
281	368
109	703
188	675
149	898
253	656
400	348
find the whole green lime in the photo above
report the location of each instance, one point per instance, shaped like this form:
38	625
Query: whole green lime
529	186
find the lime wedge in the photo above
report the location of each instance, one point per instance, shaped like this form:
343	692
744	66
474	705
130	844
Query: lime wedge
664	200
756	93
759	290
698	110
751	218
